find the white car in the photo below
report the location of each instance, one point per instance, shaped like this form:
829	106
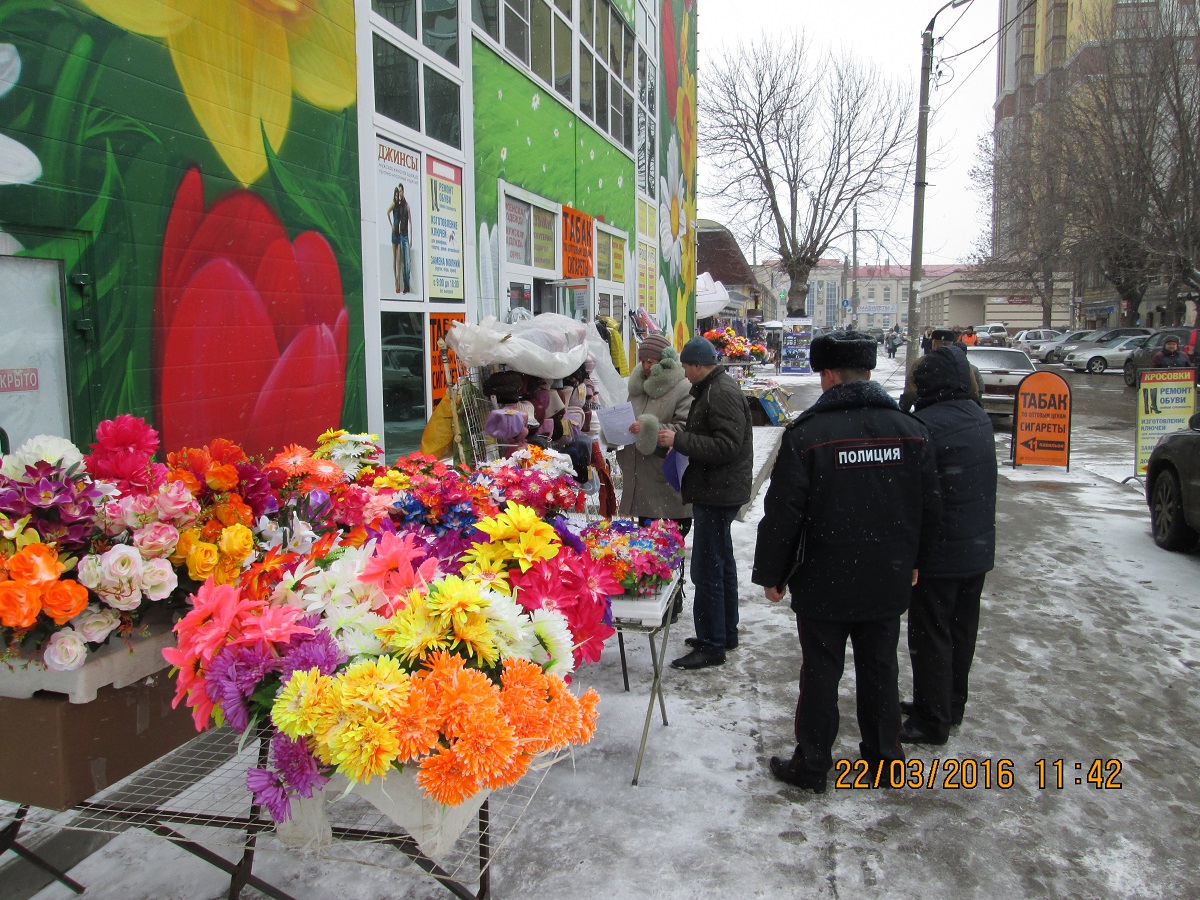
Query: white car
1032	339
1002	369
1111	354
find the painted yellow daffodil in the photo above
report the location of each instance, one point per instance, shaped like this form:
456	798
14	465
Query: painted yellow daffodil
240	61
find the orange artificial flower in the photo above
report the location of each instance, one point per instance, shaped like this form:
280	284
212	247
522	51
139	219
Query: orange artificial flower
20	603
35	563
355	537
226	452
292	460
187	540
324	473
234	511
221	477
227	571
190	481
64	600
415	723
193	459
211	532
202	560
443	779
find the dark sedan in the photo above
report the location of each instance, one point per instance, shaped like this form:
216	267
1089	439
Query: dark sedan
1141	358
1173	488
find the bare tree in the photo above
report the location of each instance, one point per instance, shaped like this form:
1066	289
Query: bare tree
804	138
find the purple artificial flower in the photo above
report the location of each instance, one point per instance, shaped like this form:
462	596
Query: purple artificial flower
316	651
255	489
451	546
298	768
269	793
47	489
12	499
566	535
234	674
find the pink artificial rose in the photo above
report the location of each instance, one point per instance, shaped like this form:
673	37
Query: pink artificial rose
176	504
156	540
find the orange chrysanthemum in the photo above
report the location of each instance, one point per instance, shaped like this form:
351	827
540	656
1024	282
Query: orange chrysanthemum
415	723
444	780
486	746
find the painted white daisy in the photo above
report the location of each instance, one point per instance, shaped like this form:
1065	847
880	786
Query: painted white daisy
503	154
528	141
672	225
591	154
537	101
600	183
18	164
499	95
620	181
556	132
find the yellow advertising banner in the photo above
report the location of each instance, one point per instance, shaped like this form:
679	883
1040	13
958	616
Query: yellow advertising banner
1042	421
1166	400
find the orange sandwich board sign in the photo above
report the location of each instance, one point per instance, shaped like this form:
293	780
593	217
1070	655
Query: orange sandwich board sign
1042	422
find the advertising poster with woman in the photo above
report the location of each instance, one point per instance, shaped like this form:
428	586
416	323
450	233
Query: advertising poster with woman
400	225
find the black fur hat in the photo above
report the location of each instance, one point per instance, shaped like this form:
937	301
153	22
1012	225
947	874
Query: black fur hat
843	350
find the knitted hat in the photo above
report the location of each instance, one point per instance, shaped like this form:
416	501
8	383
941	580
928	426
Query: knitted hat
652	347
699	351
843	350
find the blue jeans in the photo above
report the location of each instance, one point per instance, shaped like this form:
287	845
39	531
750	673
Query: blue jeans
714	575
406	264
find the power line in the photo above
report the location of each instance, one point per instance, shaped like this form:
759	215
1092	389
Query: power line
996	34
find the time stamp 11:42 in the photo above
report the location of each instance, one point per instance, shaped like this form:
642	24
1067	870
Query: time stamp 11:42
966	774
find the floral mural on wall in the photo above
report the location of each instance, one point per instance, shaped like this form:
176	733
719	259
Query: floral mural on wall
199	162
677	176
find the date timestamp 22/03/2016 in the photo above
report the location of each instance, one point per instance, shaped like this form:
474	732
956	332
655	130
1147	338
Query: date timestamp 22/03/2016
969	773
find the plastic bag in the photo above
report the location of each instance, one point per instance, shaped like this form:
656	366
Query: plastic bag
546	346
438	437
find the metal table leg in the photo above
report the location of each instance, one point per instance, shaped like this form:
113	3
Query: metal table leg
8	841
657	659
624	667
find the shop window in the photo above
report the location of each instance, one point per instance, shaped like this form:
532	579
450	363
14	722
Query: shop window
401	13
404	365
442	117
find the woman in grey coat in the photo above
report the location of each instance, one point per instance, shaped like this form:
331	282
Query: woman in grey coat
661	397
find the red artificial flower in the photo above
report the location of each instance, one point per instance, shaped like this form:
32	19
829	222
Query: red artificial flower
250	327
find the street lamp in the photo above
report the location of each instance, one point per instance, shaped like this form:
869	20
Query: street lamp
914	270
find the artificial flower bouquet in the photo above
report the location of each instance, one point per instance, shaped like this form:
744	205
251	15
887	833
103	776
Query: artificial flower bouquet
85	541
641	559
363	659
734	346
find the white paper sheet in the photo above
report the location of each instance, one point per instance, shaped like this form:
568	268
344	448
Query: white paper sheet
615	422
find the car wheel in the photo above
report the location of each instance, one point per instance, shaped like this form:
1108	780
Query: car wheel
1130	375
1096	365
1171	531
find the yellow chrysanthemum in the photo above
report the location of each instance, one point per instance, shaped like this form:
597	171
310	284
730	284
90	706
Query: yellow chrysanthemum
302	703
414	631
366	749
474	635
240	61
487	556
373	687
452	598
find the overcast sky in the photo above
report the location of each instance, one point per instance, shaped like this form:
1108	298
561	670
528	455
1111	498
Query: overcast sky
888	33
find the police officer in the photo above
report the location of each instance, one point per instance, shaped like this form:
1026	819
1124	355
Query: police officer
851	512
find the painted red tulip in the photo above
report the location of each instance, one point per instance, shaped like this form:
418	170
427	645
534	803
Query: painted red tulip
249	327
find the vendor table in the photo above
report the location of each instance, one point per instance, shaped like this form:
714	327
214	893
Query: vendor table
196	797
650	615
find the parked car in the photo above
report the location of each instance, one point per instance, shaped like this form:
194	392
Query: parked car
1141	358
1032	338
1002	369
1048	352
1096	358
1173	488
994	335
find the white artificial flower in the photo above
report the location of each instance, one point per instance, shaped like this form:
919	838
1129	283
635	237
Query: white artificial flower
66	651
18	164
553	649
41	447
88	572
511	630
158	579
672	224
96	623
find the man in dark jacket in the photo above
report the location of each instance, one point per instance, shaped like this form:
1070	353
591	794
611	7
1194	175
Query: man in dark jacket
718	441
944	617
851	514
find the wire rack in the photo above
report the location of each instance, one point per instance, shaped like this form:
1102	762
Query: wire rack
465	387
198	795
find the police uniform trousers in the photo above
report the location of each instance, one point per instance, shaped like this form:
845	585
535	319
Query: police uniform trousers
876	674
943	622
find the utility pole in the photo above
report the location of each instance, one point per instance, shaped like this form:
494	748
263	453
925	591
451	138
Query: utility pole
914	272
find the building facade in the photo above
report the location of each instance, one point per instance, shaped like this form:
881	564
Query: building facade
254	221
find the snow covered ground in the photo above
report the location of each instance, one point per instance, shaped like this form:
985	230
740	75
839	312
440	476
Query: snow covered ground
1089	646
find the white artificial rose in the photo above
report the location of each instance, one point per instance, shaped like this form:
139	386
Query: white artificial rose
66	651
88	572
158	579
125	596
96	623
119	566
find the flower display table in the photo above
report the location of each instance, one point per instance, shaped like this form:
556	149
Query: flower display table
196	798
648	614
118	664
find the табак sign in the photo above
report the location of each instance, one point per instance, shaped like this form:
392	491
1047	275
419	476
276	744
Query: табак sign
1042	421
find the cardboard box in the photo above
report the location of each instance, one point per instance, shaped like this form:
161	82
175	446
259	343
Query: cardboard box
55	754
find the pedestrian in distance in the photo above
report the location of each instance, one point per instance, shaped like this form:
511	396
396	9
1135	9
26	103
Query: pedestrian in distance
850	516
969	337
943	620
891	343
661	397
1170	356
927	340
944	337
718	441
